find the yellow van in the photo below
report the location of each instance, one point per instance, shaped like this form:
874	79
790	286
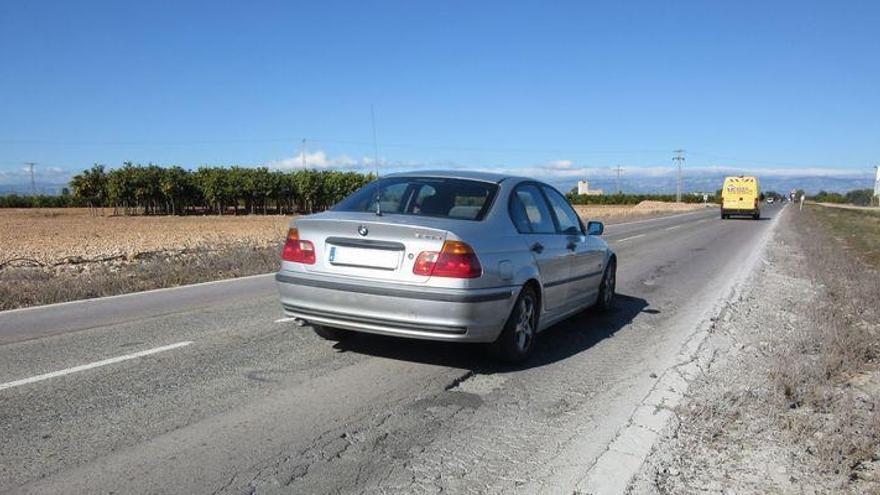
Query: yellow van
741	196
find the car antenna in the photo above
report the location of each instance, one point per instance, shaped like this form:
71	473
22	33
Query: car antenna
378	200
376	162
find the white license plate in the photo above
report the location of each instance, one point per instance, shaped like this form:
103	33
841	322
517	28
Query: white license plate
368	258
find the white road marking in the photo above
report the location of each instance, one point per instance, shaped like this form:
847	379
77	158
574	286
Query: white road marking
135	294
673	227
284	320
655	219
89	366
630	238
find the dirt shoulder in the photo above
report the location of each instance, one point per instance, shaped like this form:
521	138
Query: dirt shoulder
788	399
612	214
57	236
841	206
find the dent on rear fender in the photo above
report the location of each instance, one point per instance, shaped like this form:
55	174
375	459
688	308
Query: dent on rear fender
526	273
505	270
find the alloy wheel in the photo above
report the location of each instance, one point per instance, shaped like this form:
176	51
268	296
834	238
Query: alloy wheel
525	325
608	290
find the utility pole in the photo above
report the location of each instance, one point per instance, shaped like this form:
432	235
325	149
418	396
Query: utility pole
877	184
375	141
678	158
304	153
33	182
619	190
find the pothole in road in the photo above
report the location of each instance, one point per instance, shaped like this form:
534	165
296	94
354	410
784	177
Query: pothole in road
479	384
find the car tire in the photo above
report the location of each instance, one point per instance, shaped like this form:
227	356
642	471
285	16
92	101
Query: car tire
607	287
517	339
756	216
330	333
723	216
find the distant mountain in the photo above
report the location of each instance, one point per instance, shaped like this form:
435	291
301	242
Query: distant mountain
712	182
632	182
50	188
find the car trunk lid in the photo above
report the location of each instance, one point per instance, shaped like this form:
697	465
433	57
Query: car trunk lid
369	246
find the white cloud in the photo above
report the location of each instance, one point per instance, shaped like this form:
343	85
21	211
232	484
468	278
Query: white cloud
559	165
319	160
316	160
552	170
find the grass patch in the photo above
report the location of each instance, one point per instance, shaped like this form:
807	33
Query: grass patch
827	370
859	230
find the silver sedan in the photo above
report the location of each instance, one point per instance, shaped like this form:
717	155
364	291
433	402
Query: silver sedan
452	256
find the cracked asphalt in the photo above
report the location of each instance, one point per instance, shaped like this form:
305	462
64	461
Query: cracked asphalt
255	405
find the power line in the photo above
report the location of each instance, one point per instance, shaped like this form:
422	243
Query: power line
619	190
304	153
679	159
417	146
31	166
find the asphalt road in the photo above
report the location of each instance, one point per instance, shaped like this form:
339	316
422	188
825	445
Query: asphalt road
210	391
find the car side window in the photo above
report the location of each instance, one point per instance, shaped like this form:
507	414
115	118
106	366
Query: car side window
529	211
569	222
518	215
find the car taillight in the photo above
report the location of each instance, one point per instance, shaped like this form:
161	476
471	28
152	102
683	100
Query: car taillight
455	260
298	250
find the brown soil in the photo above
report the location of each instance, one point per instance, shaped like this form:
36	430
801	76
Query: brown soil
54	255
628	213
50	236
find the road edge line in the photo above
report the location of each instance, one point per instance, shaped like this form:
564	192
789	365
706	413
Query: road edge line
92	365
655	219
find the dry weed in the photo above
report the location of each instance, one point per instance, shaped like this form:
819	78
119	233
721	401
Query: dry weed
29	286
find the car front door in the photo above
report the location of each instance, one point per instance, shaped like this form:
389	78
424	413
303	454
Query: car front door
587	252
531	215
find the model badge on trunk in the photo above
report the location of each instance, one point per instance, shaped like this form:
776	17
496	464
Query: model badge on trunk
362	230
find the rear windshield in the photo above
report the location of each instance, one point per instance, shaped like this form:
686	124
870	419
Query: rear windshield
424	196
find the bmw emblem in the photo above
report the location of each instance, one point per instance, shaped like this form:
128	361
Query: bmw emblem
362	230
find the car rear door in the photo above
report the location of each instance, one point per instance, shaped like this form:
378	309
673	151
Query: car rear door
531	215
587	252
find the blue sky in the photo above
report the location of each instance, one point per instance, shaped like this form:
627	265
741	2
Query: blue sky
563	89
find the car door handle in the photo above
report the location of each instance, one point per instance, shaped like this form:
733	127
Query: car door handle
571	246
537	247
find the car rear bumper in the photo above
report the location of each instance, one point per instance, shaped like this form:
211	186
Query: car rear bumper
467	315
738	211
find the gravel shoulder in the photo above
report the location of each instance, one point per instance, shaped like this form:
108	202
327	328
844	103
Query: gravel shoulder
787	397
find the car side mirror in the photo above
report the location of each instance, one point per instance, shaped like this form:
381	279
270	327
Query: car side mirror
595	228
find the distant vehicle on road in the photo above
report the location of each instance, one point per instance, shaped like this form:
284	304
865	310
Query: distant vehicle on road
449	256
741	195
770	201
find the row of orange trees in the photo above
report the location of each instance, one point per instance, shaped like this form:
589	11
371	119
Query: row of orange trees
151	189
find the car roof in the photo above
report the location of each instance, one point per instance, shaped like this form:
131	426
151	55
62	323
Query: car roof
458	174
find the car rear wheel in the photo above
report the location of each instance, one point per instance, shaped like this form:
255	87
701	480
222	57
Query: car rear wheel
517	339
607	287
330	333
